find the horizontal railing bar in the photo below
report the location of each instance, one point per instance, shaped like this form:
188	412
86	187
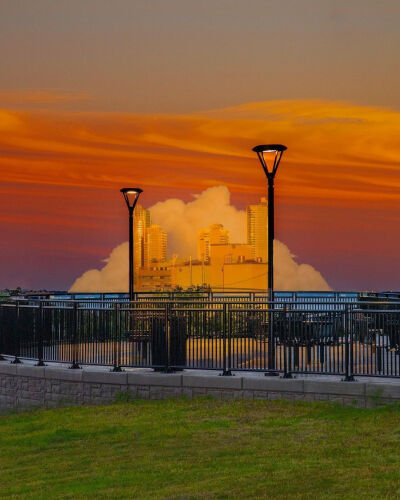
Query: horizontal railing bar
173	309
350	305
311	301
380	311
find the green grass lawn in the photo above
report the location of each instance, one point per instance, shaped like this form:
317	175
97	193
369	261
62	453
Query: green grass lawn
201	448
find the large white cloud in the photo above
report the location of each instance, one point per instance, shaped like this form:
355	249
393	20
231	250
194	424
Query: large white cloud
113	277
181	221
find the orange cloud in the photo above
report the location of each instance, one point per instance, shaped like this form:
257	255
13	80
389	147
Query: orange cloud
41	97
336	150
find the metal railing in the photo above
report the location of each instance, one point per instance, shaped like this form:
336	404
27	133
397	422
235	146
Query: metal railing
336	338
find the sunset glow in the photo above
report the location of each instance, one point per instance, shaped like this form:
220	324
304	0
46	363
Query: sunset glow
337	190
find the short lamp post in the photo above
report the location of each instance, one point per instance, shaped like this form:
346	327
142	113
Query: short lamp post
270	156
131	196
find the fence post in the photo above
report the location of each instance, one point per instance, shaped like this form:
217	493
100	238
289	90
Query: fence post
75	364
226	332
2	336
168	308
348	331
40	323
117	341
271	342
287	373
17	338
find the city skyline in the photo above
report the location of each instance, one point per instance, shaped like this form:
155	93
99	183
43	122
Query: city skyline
233	259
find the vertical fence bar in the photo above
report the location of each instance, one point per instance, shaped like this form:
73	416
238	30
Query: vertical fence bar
2	333
17	336
168	321
167	324
226	345
284	329
271	343
40	327
348	335
115	338
75	345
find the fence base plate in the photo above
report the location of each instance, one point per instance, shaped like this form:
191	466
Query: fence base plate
116	369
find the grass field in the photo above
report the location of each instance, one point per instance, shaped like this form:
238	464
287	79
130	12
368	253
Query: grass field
201	448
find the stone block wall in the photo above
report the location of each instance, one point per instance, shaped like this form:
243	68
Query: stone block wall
26	386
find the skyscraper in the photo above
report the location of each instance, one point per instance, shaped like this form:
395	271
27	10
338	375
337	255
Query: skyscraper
203	245
141	223
257	230
216	234
155	246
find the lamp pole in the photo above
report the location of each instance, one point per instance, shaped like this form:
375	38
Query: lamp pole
131	196
270	156
271	237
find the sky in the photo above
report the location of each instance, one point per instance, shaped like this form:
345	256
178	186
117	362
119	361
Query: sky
171	97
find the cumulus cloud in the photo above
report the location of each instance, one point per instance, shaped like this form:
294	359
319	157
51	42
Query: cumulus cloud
113	277
182	221
289	275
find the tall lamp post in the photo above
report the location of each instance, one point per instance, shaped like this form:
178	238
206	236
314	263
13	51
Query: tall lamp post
131	196
270	156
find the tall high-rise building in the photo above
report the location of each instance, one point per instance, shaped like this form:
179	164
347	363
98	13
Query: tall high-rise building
257	230
155	246
141	221
216	234
203	245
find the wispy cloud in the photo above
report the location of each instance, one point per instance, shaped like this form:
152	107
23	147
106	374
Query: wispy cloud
354	148
40	97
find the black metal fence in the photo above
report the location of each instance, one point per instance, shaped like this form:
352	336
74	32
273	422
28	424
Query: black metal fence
358	338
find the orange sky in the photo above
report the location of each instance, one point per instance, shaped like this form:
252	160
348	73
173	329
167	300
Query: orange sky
338	186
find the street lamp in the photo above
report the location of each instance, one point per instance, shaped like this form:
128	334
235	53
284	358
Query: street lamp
270	156
131	196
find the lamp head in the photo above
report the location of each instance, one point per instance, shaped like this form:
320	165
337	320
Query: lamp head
131	196
270	156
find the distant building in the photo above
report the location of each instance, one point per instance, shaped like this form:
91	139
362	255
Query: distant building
257	229
216	234
220	265
156	278
155	246
141	221
230	267
203	245
150	249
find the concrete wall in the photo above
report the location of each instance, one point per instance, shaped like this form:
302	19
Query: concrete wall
24	386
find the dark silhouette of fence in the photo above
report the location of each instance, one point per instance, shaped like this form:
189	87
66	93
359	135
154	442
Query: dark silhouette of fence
347	339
